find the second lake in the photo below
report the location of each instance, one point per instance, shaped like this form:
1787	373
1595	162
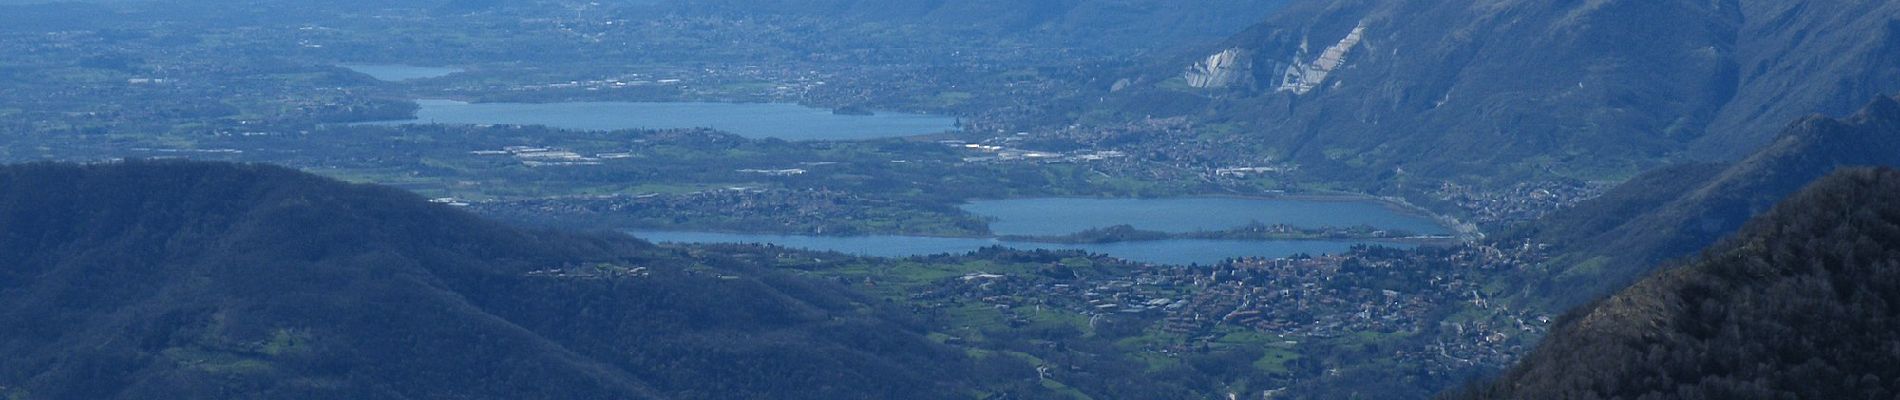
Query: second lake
1058	216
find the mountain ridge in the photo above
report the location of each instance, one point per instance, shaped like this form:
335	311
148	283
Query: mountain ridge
198	280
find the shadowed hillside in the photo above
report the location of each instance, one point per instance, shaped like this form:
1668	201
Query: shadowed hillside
1800	304
145	280
1672	212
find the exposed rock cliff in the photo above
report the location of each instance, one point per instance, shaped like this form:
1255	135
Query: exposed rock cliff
1490	88
1228	68
1302	77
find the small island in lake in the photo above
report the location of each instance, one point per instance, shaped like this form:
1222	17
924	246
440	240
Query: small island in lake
856	109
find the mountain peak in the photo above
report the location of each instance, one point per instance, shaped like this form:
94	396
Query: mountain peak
1882	109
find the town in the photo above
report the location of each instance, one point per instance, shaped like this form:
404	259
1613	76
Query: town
1430	307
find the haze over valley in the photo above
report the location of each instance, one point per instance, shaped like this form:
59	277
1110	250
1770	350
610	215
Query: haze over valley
978	199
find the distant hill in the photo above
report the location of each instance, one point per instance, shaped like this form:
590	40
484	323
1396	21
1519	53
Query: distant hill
1504	88
1800	305
164	280
1609	241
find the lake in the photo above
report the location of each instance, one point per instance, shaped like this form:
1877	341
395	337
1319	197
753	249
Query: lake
753	120
394	73
1059	216
1180	252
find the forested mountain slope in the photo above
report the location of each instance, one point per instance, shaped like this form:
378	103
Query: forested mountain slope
1801	304
144	280
1672	212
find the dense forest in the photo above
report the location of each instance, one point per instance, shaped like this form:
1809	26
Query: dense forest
1801	304
142	280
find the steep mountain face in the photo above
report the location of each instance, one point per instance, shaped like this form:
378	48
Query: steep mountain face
1596	87
1671	212
1227	68
1801	304
184	280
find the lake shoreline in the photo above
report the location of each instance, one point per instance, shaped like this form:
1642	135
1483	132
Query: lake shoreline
1165	252
1175	230
1449	237
1393	204
1001	239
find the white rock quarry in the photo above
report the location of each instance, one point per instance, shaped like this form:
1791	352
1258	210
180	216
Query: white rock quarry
1228	68
1302	77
